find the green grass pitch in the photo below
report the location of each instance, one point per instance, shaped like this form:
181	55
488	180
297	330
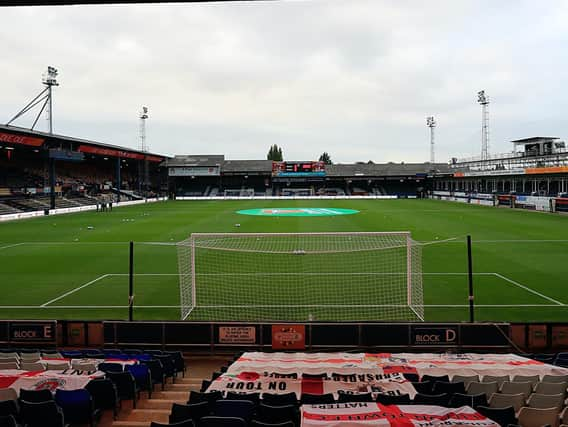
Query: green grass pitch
58	267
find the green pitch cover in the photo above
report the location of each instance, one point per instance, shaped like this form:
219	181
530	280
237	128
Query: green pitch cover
298	212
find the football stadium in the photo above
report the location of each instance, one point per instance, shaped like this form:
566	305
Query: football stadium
186	287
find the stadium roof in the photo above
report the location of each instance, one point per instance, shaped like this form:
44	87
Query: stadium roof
533	139
195	160
384	169
69	2
247	166
72	140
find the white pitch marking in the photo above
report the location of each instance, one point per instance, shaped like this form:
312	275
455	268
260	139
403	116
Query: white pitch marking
11	246
74	290
526	288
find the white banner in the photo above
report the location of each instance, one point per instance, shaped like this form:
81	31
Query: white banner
253	382
388	363
309	363
40	380
374	414
462	364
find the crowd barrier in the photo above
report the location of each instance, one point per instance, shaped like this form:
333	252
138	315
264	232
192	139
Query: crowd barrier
60	211
536	203
219	336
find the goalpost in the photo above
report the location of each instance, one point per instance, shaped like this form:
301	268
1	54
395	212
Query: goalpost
301	277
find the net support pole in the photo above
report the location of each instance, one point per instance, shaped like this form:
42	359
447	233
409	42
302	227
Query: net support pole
409	270
470	280
131	283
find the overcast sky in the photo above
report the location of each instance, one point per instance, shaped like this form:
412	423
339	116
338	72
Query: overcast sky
355	78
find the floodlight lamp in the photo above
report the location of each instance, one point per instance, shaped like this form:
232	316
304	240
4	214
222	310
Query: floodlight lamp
481	97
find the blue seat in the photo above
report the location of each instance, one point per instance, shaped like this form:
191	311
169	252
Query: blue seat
354	397
222	422
35	395
77	406
156	371
275	399
186	423
41	414
442	399
387	399
502	416
104	394
204	385
242	409
72	354
168	365
472	400
107	367
125	386
193	411
277	414
258	423
179	361
316	399
447	387
411	377
10	408
142	376
424	387
434	378
8	421
210	398
253	397
132	351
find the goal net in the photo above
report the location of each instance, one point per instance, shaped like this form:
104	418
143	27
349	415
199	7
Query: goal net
301	277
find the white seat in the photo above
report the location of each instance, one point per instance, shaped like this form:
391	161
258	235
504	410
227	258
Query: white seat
465	379
510	387
57	366
536	417
555	379
494	378
30	357
537	400
32	366
533	379
487	388
9	355
500	400
9	365
550	388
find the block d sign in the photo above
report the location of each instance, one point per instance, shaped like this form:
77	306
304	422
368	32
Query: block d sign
40	331
435	336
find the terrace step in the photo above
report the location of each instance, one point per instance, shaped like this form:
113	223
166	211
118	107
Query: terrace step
171	395
159	415
159	403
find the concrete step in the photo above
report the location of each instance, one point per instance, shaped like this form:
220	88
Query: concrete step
159	415
171	395
131	424
159	403
183	387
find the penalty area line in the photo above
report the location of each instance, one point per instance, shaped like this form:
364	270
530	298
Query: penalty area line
74	290
526	288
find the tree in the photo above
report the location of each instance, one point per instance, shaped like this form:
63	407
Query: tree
274	153
325	158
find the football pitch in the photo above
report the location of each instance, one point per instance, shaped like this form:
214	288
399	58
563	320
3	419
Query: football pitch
75	266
